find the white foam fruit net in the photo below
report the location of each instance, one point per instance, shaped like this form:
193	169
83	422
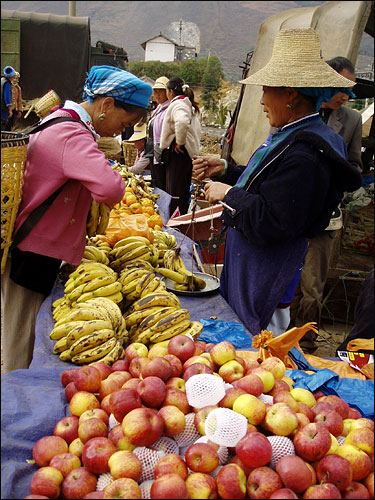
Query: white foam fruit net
190	434
216	471
204	390
148	458
281	446
222	451
225	427
103	481
166	444
266	399
112	422
341	440
146	488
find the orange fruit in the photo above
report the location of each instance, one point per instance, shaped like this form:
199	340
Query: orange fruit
148	210
157	227
130	198
146	202
136	208
155	220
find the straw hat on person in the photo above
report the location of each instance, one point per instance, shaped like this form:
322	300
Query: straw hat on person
297	62
138	134
161	83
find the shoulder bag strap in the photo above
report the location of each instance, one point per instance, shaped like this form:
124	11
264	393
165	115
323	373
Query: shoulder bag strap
39	211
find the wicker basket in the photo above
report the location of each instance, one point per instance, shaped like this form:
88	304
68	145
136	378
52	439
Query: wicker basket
46	103
13	158
130	153
358	234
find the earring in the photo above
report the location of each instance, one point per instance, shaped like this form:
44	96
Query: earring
101	116
289	106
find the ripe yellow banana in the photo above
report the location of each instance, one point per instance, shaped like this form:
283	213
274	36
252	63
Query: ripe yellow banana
103	291
81	314
65	355
117	352
74	295
86	267
170	332
94	353
194	330
131	239
113	310
139	252
60	346
116	297
172	275
151	286
104	211
92	219
96	283
151	319
157	299
82	330
89	276
171	319
63	330
140	264
132	283
58	302
137	317
144	281
118	252
91	340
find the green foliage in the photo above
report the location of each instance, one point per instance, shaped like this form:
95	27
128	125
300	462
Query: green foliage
154	69
222	114
211	83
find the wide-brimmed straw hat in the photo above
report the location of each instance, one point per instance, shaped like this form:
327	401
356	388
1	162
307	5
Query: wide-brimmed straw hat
138	133
297	62
161	83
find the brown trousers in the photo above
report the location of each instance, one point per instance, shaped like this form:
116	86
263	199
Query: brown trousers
312	282
19	309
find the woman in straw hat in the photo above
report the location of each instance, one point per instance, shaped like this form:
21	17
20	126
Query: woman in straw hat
289	188
64	155
142	162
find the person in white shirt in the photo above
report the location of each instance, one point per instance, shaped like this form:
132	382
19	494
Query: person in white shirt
180	142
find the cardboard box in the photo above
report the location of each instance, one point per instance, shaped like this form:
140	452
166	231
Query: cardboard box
200	231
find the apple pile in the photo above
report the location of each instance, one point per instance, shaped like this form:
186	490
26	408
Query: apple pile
132	432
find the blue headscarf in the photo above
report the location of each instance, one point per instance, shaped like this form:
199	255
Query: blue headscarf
323	94
123	86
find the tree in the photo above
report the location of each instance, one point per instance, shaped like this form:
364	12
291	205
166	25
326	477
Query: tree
211	83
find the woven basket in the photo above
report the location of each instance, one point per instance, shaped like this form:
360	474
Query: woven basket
46	103
130	153
13	158
358	234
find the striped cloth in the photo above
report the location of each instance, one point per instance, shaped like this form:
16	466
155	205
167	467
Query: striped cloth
109	81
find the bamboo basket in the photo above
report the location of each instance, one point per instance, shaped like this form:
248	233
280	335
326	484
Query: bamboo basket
13	158
130	153
358	234
45	104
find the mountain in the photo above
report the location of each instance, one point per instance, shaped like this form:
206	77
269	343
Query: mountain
227	29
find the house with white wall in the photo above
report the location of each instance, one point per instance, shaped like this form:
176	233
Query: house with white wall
162	48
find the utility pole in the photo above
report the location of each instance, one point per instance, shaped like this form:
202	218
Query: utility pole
72	8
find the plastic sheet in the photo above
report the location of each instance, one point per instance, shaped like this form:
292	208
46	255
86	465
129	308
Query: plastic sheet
217	331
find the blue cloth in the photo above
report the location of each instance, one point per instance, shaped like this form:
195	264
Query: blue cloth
7	97
217	331
324	94
123	86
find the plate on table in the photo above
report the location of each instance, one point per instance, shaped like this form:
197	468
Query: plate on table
212	286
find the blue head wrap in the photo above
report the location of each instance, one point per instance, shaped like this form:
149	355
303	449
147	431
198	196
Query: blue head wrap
123	86
9	71
323	94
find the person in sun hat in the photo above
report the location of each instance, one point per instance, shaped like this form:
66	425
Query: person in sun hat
9	73
64	156
289	188
158	176
138	138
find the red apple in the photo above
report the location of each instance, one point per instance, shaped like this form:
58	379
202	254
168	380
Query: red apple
318	491
82	401
94	494
124	463
201	416
262	482
118	437
92	428
280	385
96	453
201	457
121	365
104	369
230	396
104	404
312	442
152	391
287	398
223	352
369	482
36	496
274	365
361	463
175	364
68	375
46	481
65	463
132	383
123	401
236	460
94	413
254	449
46	448
321	405
142	426
354	413
334	469
283	493
196	369
182	347
177	398
198	359
169	486
120	376
294	473
176	383
70	389
362	422
78	483
173	418
304	408
88	379
171	464
67	428
281	419
125	487
136	364
200	347
356	490
338	404
231	481
201	486
76	447
332	420
136	350
318	394
231	370
157	367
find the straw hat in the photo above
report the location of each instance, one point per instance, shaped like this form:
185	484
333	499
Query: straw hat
297	62
138	134
161	83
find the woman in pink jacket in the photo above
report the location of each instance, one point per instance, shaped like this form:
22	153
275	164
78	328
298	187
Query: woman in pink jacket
64	154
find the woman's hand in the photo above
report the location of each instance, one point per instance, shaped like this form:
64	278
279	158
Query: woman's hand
207	166
215	191
178	149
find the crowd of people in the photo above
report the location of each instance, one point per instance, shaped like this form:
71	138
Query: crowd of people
278	207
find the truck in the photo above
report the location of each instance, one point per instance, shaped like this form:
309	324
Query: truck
53	52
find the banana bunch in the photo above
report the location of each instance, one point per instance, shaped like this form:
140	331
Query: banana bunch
97	219
90	331
132	248
163	241
175	269
96	254
140	187
96	241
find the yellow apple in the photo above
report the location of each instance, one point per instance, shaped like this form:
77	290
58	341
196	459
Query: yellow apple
334	446
250	407
303	396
